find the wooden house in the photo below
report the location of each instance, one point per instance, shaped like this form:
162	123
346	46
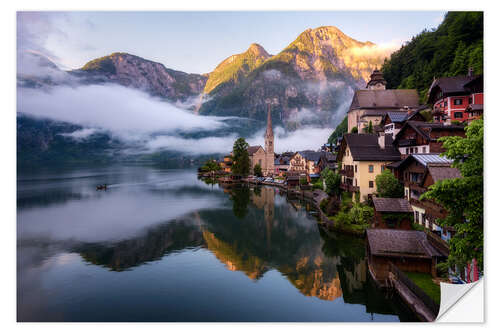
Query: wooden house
451	96
421	137
417	172
392	213
409	250
393	121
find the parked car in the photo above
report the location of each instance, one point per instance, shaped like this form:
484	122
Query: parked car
269	179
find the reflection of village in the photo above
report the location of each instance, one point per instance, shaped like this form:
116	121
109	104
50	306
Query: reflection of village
273	235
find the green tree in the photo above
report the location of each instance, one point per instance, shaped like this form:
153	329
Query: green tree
339	131
369	128
210	166
354	129
332	182
241	160
257	170
463	197
388	186
451	49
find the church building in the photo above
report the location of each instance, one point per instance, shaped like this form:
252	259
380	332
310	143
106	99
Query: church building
373	103
264	157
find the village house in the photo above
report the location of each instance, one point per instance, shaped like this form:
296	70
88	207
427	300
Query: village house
451	97
312	159
281	164
392	213
372	103
264	157
226	164
298	163
417	172
421	137
408	250
327	160
392	122
363	157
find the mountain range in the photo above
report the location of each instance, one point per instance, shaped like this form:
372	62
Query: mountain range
311	81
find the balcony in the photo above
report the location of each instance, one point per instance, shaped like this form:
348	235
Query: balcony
349	188
407	142
347	172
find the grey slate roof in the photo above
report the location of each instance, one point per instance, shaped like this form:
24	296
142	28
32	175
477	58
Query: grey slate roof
365	147
389	98
311	155
395	205
400	243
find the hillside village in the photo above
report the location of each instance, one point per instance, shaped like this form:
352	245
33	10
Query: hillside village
390	134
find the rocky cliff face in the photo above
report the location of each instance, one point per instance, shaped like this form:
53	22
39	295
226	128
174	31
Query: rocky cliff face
139	73
311	81
308	81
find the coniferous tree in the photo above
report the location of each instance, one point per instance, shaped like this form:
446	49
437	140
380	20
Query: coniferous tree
241	160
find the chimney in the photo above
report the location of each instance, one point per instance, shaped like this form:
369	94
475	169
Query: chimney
470	73
381	139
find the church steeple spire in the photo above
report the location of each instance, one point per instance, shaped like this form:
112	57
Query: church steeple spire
269	143
269	129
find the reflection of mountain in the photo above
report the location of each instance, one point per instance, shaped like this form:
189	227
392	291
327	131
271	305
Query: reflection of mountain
154	245
252	266
271	236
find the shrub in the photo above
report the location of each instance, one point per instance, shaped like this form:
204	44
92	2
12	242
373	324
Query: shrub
388	186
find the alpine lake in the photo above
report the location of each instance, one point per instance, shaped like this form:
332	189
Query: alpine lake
160	244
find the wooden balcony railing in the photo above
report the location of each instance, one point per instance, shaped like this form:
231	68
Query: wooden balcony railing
347	172
349	188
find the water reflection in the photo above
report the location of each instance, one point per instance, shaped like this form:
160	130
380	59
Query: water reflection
153	217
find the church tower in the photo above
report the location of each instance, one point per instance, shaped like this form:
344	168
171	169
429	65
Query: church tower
377	81
269	144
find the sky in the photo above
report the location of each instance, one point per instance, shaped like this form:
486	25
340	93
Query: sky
196	42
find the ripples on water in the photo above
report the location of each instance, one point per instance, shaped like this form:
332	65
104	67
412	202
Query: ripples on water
161	245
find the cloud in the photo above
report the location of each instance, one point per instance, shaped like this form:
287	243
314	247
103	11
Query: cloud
208	145
80	134
306	138
373	52
124	111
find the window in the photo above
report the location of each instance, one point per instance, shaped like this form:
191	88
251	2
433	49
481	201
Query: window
355	168
417	217
457	101
407	151
458	115
445	104
382	167
370	168
424	150
470	100
370	184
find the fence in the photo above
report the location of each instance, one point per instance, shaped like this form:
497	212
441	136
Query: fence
414	288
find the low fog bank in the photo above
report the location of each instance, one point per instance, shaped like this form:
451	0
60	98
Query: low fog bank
148	125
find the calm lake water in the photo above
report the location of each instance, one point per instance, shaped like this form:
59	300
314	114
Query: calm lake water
161	245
